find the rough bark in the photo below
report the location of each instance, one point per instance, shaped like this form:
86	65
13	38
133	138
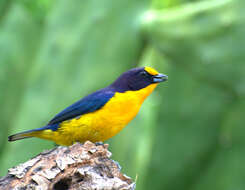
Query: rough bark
79	167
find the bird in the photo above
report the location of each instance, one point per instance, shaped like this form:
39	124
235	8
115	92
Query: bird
102	114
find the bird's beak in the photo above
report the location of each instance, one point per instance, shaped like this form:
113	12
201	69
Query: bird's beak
159	78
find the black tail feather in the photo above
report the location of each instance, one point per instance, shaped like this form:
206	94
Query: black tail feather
28	134
18	136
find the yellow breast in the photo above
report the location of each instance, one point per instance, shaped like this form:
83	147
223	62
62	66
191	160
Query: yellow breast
105	122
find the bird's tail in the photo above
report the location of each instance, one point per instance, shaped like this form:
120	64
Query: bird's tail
22	135
32	133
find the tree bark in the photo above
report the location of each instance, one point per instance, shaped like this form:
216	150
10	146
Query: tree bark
80	167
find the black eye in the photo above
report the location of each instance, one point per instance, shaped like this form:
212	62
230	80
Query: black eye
144	73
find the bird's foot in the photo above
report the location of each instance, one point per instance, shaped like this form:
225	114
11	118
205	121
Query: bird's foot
99	143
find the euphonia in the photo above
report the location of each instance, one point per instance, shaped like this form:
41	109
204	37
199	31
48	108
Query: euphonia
102	114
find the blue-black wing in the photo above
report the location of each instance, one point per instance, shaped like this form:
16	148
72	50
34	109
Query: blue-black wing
88	104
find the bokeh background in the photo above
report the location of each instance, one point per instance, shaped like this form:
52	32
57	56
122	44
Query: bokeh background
189	133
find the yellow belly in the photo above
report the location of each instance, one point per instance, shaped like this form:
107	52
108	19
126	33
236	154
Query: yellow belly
103	123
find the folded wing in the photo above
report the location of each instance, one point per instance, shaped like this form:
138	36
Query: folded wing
88	104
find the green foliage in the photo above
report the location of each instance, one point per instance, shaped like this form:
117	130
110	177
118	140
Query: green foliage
189	133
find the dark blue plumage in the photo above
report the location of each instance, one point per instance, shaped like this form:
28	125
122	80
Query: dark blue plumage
88	104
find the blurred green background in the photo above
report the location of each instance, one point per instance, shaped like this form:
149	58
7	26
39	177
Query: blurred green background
189	134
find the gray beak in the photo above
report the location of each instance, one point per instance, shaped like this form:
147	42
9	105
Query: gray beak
159	78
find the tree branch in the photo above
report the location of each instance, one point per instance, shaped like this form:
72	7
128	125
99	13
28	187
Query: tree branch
79	167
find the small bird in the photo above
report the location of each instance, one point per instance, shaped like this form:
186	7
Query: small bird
102	114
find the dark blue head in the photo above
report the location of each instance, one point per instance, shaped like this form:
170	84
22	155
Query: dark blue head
137	78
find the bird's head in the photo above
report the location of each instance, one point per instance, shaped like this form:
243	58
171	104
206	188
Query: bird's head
138	78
